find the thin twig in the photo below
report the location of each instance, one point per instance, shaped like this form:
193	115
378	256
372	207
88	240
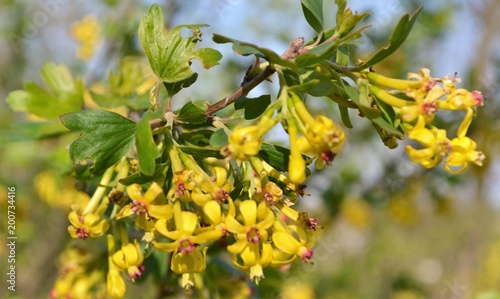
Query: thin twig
292	52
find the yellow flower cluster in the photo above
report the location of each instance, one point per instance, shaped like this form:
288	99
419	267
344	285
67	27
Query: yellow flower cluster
319	138
87	32
75	280
417	100
195	210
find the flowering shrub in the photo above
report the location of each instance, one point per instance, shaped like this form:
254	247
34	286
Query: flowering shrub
181	187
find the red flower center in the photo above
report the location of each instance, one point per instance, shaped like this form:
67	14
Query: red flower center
253	235
186	246
82	233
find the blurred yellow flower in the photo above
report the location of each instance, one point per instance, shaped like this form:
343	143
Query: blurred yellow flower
88	33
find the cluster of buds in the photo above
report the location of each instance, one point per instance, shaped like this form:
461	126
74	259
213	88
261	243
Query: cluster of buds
417	100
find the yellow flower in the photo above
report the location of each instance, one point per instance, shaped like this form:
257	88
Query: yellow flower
129	258
434	141
244	143
144	206
425	104
115	283
189	263
271	193
182	186
251	236
286	241
87	32
460	99
85	226
297	164
187	258
463	152
255	256
186	235
321	139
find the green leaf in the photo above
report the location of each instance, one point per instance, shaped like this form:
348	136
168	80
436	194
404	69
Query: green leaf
192	113
341	5
32	130
362	100
170	56
254	107
140	178
397	38
342	58
198	137
219	138
344	115
65	95
201	152
276	156
174	88
146	147
316	54
106	137
324	85
246	49
349	21
313	12
129	76
305	86
108	101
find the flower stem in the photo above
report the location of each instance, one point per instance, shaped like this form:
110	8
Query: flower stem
99	192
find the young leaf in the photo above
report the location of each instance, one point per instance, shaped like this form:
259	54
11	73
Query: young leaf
254	107
218	138
191	113
65	95
246	49
106	137
170	55
146	147
397	38
313	12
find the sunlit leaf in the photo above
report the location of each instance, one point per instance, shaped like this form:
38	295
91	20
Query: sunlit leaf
170	55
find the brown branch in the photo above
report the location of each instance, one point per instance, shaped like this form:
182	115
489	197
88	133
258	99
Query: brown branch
246	86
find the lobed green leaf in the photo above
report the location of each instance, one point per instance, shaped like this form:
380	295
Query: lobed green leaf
106	137
170	56
65	95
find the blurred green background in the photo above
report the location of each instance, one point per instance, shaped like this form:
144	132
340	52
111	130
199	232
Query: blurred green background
392	229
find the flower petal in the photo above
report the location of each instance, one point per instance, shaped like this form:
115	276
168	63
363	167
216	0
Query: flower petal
248	209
